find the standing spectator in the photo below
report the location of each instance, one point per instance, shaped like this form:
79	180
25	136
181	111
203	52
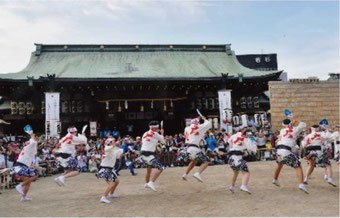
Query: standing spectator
225	136
138	143
132	152
11	155
2	155
124	159
172	148
274	139
261	144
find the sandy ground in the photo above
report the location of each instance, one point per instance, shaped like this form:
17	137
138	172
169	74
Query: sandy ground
175	197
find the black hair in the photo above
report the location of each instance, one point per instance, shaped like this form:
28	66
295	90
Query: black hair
245	130
315	126
154	123
286	121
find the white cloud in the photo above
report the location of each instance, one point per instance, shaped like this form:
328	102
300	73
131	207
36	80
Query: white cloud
24	23
176	12
313	56
18	35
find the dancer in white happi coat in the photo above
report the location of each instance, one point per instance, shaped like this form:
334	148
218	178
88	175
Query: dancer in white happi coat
286	142
147	156
317	147
193	135
66	155
336	141
22	167
107	171
240	145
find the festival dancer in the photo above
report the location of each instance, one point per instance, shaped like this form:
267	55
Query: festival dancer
193	135
285	144
22	169
147	155
107	172
65	157
240	145
317	149
336	140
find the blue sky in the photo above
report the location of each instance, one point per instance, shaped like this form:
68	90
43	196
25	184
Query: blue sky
304	34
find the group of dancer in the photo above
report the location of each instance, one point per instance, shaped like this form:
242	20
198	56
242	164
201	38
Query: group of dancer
241	145
316	145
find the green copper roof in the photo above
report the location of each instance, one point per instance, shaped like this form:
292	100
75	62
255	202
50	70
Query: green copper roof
131	61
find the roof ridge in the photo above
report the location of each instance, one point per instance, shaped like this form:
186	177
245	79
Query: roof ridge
130	48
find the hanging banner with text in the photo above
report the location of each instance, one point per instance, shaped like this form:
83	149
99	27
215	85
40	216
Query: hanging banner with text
224	99
52	101
52	105
93	128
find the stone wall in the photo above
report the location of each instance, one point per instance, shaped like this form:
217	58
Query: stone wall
310	102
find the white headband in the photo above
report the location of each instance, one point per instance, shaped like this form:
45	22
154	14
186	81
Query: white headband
154	126
195	121
109	140
72	130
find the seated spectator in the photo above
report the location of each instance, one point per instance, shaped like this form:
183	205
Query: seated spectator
93	164
180	140
46	151
211	142
181	162
82	162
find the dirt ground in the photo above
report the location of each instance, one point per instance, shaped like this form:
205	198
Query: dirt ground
175	197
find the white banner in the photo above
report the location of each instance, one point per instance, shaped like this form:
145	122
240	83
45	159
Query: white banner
52	114
52	105
93	128
224	99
